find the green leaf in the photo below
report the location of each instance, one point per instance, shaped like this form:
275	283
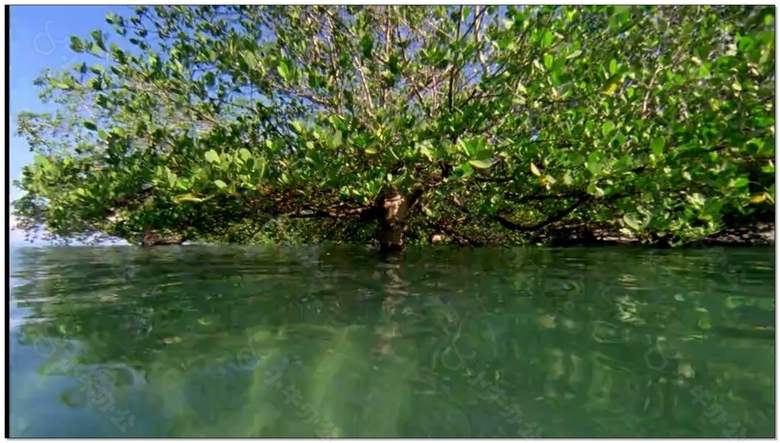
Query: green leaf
466	170
284	69
595	190
367	44
99	41
336	140
371	151
220	184
594	164
41	161
758	198
212	157
90	125
657	146
613	67
76	45
483	154
60	84
337	123
393	64
245	154
631	221
506	43
610	89
547	39
695	199
470	146
607	127
297	126
535	171
548	61
481	164
740	182
744	43
251	60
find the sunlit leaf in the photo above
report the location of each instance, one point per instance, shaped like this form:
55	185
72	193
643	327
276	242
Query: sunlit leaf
212	156
481	164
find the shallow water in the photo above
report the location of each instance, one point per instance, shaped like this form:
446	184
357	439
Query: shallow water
300	342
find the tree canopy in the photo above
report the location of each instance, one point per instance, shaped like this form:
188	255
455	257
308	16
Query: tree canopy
478	124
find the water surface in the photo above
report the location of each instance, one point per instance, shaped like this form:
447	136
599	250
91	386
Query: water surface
334	341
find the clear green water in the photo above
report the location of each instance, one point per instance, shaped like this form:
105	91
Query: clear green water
273	342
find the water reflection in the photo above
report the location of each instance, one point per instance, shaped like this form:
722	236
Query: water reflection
334	341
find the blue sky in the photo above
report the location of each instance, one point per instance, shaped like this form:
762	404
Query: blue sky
40	39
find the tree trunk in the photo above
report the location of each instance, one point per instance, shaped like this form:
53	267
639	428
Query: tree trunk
393	210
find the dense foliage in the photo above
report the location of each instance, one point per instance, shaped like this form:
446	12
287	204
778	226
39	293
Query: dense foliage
477	124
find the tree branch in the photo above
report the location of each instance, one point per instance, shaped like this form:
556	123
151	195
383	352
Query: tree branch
508	224
455	60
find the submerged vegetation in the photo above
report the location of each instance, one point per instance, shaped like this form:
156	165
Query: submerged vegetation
469	125
586	343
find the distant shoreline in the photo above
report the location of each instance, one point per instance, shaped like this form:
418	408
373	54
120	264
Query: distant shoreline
562	237
759	240
726	238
